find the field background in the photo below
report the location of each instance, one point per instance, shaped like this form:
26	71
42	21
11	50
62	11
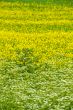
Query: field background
36	55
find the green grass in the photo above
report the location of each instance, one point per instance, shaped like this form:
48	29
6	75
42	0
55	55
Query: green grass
36	55
61	2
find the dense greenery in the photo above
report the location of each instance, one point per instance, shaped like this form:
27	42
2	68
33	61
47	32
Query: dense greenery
36	55
43	1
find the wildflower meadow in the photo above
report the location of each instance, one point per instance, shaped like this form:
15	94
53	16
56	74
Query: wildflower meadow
36	55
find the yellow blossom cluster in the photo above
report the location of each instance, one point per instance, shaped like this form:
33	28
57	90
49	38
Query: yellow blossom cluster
46	30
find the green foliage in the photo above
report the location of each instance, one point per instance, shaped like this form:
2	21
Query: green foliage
26	84
41	89
61	2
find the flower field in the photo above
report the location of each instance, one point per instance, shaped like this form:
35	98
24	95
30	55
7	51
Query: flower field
36	56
